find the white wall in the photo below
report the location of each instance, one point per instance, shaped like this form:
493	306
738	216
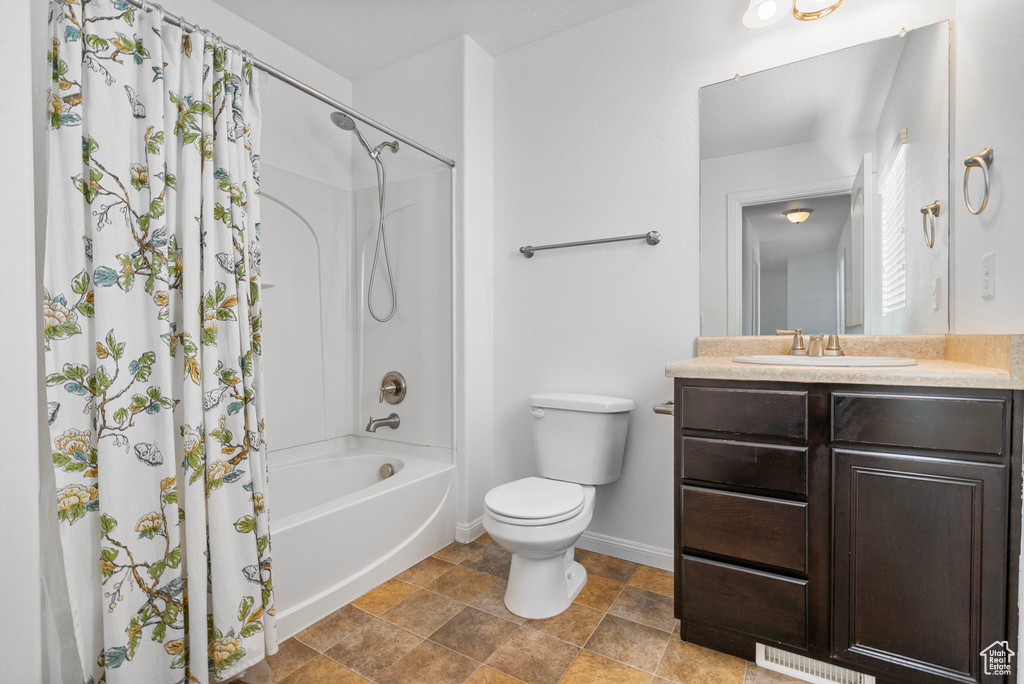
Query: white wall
988	35
812	302
475	305
851	281
596	135
20	406
751	251
918	100
774	300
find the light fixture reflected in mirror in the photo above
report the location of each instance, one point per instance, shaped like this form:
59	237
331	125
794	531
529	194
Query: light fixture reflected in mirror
797	215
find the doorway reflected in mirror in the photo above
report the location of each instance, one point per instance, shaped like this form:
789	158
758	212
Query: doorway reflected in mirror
793	271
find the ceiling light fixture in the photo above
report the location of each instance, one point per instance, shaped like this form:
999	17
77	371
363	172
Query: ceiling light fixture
797	215
818	13
761	13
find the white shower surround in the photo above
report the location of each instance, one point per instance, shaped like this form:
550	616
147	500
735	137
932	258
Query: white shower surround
337	531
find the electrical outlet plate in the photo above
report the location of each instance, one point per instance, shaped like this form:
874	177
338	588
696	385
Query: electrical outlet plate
988	275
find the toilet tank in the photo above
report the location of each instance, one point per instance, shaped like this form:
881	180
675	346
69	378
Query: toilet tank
579	437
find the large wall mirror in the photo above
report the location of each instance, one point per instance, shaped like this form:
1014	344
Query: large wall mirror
816	182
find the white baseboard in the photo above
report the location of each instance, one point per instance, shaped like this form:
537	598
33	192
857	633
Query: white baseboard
467	532
627	550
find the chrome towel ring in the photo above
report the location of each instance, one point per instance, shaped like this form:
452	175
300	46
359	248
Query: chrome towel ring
984	162
931	211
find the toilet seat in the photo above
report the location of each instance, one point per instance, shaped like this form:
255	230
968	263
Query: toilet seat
534	501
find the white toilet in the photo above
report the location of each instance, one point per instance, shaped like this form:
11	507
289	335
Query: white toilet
579	441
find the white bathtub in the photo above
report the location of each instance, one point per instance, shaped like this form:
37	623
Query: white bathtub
338	530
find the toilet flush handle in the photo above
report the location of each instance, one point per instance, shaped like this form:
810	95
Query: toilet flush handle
537	413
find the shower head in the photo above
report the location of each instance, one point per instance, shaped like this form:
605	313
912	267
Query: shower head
343	121
347	123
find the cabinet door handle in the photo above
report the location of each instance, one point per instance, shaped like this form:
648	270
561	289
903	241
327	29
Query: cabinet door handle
666	409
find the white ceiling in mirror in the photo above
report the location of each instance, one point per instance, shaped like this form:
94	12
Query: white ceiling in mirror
836	95
358	37
781	239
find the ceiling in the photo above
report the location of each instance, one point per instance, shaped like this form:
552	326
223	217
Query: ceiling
358	37
781	239
836	95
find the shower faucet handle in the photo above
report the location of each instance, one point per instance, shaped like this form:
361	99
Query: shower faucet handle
387	388
392	388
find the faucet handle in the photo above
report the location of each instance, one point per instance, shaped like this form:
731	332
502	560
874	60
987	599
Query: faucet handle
798	348
833	348
392	388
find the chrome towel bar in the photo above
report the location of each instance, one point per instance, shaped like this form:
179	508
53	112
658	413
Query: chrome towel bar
653	238
666	409
984	162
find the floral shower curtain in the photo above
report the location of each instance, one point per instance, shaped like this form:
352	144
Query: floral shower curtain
152	329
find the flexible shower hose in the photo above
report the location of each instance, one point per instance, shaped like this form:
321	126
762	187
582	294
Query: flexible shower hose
382	237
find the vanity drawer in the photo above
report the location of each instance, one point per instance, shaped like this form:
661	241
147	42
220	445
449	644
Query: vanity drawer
761	604
970	424
745	527
745	411
746	464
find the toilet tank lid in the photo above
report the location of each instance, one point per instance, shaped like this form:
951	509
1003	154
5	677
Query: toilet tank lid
592	403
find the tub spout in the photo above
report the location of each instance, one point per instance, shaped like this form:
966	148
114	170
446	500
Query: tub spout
391	421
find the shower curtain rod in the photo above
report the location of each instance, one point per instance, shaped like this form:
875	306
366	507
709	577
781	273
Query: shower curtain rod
299	85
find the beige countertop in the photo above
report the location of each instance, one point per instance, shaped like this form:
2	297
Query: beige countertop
976	361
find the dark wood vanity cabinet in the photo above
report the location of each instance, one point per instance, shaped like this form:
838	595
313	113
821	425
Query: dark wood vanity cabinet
876	528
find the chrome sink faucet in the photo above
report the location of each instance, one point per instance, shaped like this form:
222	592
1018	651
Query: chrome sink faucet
391	421
816	347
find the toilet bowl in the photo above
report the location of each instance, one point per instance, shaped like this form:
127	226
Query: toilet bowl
544	578
579	441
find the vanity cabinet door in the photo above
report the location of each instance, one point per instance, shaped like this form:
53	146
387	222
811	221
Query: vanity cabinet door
920	564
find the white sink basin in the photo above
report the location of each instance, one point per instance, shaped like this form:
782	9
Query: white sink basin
826	361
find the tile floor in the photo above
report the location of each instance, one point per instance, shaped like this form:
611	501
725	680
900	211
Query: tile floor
443	621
